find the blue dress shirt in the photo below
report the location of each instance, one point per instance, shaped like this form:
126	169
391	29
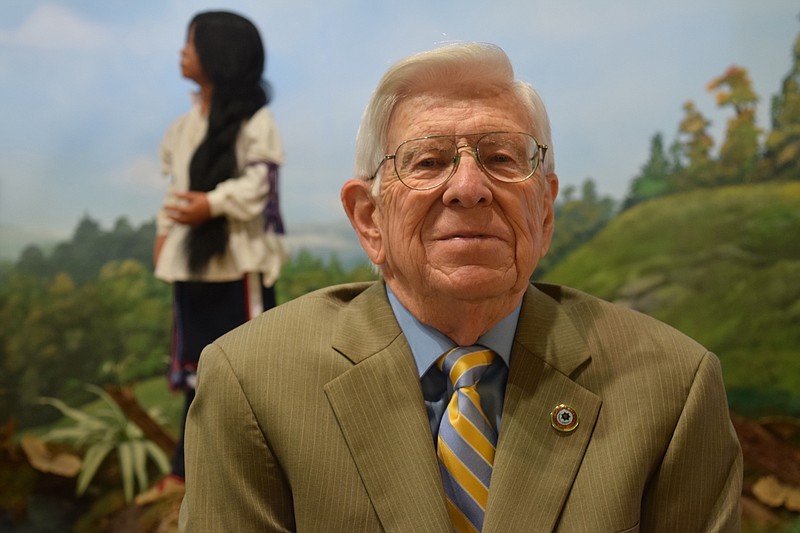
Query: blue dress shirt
428	344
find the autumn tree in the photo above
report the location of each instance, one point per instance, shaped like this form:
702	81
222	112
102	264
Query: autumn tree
693	150
739	152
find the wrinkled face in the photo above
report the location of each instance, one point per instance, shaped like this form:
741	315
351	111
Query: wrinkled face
473	237
191	68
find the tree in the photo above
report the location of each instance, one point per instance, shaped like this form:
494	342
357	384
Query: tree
693	149
577	221
138	307
58	335
18	301
306	272
33	261
782	147
87	230
653	179
739	152
89	248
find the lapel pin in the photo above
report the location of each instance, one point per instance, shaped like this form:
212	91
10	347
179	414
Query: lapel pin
564	418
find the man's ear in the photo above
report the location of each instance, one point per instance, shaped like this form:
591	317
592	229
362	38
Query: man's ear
362	210
549	195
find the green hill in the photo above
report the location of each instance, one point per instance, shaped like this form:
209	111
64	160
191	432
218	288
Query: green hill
721	265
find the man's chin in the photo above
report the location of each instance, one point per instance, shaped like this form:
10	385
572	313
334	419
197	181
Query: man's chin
475	281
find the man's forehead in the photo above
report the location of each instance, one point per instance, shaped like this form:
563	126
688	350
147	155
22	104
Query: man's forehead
426	108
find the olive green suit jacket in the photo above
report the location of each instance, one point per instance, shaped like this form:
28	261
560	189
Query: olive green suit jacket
311	418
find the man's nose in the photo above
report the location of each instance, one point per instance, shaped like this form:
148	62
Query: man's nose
469	185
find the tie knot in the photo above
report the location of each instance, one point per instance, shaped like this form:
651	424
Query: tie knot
465	365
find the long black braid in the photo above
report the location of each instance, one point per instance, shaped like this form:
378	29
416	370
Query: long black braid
232	56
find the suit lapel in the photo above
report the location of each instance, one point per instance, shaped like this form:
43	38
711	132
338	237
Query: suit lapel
536	465
388	436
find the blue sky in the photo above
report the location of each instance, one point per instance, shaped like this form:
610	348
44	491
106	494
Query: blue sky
89	86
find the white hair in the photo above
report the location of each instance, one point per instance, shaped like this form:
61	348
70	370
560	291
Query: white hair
455	65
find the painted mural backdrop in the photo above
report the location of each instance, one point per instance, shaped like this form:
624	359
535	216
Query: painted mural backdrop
704	237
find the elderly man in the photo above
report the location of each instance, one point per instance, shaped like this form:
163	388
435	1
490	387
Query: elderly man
454	394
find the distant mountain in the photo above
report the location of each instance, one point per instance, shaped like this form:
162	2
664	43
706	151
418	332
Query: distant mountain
721	265
14	240
320	239
324	240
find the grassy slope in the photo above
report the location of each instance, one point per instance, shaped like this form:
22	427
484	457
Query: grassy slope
723	266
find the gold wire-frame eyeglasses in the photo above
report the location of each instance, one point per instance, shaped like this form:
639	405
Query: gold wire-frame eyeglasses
425	163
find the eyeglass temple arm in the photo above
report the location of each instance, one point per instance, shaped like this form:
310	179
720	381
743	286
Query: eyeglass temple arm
385	159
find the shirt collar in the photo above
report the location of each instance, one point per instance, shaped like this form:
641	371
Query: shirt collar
428	344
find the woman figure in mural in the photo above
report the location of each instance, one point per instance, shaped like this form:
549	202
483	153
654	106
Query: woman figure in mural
219	235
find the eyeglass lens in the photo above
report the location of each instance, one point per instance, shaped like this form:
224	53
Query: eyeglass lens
428	162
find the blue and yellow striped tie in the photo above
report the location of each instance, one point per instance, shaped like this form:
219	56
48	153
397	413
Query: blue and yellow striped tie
467	440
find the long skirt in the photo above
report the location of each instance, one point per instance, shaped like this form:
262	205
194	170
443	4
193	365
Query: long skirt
203	312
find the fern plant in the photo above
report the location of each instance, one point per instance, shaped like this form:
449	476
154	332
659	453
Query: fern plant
99	433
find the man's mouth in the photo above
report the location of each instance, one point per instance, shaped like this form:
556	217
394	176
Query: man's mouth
466	235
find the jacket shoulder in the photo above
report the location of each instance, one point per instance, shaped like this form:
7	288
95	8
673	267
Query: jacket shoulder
609	323
313	314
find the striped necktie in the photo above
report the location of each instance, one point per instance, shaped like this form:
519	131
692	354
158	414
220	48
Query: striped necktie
467	440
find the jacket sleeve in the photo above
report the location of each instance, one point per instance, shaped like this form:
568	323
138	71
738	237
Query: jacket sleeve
697	486
233	481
